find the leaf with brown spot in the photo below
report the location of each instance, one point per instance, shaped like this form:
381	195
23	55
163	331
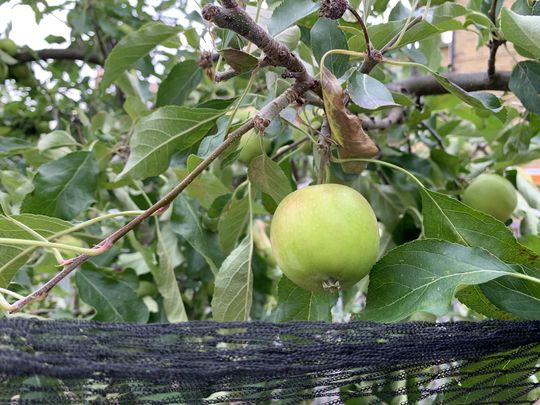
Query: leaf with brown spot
346	128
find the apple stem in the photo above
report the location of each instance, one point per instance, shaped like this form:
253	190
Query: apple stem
332	285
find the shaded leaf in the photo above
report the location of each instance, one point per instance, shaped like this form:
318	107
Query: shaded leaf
233	221
325	36
64	188
233	287
166	131
114	300
525	84
240	61
295	303
13	146
183	78
267	177
185	222
475	299
134	46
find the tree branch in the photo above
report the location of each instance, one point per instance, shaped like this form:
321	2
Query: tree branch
59	54
427	85
260	121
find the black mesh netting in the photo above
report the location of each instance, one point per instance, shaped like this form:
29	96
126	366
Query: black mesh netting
58	362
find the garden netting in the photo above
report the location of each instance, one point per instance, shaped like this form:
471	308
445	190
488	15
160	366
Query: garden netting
79	362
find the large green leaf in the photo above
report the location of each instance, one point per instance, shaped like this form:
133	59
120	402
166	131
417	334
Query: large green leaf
113	299
180	82
525	84
449	219
289	12
12	257
186	223
295	303
13	146
325	36
64	188
159	135
267	177
134	46
424	275
522	30
233	290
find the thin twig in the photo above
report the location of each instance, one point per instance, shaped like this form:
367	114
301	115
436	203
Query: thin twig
434	134
364	29
495	42
286	149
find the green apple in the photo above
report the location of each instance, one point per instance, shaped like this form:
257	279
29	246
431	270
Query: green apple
8	46
325	237
492	194
20	72
251	145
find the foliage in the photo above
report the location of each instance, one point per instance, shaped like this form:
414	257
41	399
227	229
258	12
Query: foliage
77	165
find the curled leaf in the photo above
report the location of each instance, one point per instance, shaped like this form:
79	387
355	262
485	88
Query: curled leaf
346	128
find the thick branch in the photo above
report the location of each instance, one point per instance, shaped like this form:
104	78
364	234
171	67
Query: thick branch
234	18
395	116
427	85
59	54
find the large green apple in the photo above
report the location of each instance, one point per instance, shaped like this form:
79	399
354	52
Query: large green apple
325	237
250	146
492	194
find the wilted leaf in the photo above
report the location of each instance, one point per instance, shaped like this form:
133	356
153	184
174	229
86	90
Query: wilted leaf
346	128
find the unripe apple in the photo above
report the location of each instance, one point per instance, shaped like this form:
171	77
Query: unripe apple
325	237
492	194
250	146
20	71
8	46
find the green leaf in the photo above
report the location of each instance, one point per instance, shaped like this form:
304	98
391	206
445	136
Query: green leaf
233	287
185	222
325	36
525	84
133	47
289	12
267	177
449	219
240	61
424	275
522	30
475	299
369	93
114	300
234	220
169	257
205	188
179	83
13	146
166	131
12	257
64	188
295	303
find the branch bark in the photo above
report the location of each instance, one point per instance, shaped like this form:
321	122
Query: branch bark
427	85
59	54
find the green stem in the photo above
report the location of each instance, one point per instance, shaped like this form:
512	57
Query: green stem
380	162
50	245
11	293
404	29
359	55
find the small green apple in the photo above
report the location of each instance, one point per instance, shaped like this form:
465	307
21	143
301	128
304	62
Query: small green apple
325	237
251	145
492	194
8	46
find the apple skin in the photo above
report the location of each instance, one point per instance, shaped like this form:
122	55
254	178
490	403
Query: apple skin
492	194
8	46
325	234
250	147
